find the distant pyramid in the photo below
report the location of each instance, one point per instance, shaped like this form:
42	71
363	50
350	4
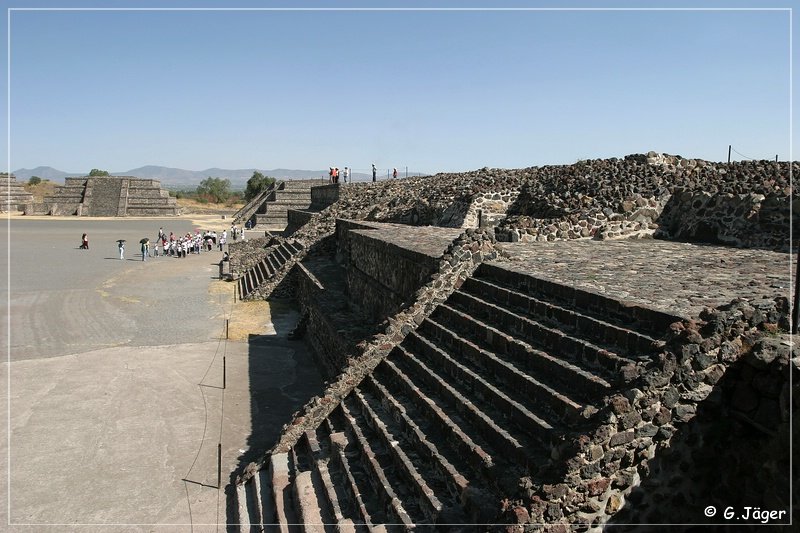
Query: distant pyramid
109	197
14	196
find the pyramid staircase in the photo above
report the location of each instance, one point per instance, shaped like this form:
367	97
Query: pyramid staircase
265	269
489	388
294	194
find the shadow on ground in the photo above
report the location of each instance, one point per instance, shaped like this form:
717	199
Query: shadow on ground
282	376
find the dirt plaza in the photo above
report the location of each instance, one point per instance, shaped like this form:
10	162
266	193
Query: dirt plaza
113	378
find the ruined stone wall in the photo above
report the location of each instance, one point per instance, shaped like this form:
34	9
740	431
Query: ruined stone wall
714	407
746	220
489	208
613	198
637	217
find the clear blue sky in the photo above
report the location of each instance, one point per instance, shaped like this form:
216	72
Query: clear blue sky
433	91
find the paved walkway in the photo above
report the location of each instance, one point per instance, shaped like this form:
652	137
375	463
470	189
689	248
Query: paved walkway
678	278
115	371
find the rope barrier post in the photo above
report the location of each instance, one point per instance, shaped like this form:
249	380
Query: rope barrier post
224	372
219	466
729	153
227	321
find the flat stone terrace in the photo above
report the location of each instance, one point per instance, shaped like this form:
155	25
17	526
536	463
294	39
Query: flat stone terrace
674	277
426	240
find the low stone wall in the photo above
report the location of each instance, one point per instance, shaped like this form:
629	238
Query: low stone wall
635	217
667	447
382	276
297	218
324	195
746	220
487	209
329	348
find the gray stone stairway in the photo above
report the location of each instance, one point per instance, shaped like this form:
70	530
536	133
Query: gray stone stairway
250	208
293	194
105	197
493	387
265	269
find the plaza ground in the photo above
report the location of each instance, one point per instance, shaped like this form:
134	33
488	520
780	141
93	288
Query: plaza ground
113	378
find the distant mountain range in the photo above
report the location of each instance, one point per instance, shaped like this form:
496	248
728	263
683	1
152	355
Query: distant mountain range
178	178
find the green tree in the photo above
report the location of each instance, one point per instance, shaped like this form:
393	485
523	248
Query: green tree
35	180
256	184
215	190
95	172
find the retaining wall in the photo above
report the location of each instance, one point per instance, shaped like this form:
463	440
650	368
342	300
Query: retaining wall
324	195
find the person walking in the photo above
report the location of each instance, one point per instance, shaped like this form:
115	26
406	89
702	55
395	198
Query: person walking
374	173
85	242
145	249
346	174
394	173
121	245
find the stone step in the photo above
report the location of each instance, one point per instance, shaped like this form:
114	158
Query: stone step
240	287
281	255
266	499
146	202
256	506
371	455
244	502
648	321
554	341
283	204
479	421
282	473
322	477
411	485
466	496
309	511
360	493
516	418
273	263
300	194
486	363
624	340
263	272
476	454
455	481
558	373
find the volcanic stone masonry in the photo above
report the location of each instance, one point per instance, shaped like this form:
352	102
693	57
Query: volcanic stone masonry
539	385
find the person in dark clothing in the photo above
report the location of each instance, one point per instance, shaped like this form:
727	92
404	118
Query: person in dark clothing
374	172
